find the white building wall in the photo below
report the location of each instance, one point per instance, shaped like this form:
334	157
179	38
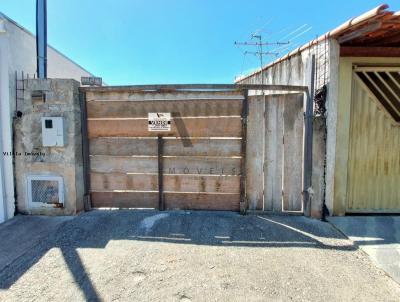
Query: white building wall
7	202
18	54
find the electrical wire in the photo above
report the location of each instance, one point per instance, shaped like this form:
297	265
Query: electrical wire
295	31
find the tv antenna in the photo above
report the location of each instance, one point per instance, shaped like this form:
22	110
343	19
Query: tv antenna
260	52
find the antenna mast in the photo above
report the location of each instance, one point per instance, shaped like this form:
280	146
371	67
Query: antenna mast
260	53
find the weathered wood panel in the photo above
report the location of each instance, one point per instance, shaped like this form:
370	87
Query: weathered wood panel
255	153
273	162
201	184
183	201
200	171
293	153
123	181
202	201
124	199
180	127
202	147
162	96
125	146
172	183
180	108
172	165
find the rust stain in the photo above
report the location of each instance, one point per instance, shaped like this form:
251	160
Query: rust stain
218	185
202	184
106	183
129	182
177	183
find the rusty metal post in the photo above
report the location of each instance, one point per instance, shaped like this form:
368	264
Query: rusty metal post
243	195
160	142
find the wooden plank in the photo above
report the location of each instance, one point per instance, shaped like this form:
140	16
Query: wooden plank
293	152
190	88
254	153
180	108
140	96
125	146
172	165
201	184
347	51
124	199
172	183
183	201
202	147
123	164
123	181
180	127
202	201
273	153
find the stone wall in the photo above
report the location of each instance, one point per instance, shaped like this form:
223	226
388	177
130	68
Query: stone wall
31	158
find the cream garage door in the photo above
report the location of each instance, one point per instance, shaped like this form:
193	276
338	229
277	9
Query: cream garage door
374	153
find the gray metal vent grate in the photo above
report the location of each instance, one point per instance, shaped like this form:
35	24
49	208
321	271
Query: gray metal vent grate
385	86
45	191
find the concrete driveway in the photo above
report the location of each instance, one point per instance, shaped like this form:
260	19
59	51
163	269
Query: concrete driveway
378	236
187	256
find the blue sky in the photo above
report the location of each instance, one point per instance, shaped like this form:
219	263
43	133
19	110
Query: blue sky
178	41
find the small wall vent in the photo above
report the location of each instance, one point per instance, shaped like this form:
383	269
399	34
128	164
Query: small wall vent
45	191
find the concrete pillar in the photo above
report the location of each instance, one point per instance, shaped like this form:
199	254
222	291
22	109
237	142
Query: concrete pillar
62	100
331	120
318	181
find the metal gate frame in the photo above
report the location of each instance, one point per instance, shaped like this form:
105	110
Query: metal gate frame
245	88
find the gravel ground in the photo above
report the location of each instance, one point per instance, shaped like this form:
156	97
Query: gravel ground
193	256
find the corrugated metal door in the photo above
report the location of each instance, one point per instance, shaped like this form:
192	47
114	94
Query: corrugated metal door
374	147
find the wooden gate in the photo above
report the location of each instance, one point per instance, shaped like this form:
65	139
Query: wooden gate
374	145
275	152
196	165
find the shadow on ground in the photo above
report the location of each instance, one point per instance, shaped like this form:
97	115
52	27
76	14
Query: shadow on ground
95	230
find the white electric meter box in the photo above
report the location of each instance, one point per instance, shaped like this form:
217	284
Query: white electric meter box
53	132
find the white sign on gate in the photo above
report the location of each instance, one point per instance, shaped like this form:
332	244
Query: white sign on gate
159	121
